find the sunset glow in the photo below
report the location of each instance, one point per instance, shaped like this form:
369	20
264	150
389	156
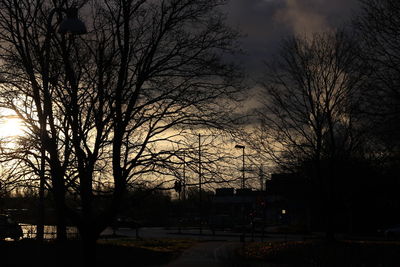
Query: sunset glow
10	126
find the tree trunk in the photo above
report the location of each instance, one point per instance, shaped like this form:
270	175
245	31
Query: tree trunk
89	245
329	223
330	207
61	227
59	199
41	213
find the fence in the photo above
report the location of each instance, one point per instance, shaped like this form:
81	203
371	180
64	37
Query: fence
50	231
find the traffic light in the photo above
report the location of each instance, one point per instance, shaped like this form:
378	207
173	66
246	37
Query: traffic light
178	186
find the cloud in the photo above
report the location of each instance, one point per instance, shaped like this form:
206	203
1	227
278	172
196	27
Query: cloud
310	16
302	19
265	22
255	19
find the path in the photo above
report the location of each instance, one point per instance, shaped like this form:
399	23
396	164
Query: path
209	254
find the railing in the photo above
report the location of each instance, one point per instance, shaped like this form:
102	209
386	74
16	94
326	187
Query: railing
50	231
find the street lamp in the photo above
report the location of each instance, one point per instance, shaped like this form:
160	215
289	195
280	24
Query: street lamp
243	178
73	25
242	238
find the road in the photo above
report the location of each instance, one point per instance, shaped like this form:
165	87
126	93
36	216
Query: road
210	254
194	233
212	250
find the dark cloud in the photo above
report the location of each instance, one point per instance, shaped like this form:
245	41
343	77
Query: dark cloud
265	22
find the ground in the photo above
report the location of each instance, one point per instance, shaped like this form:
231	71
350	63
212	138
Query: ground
116	252
318	252
177	247
210	254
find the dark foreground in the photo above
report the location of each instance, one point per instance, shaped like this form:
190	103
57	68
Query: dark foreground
160	252
109	253
320	253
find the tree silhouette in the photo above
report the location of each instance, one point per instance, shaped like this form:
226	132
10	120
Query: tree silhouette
378	29
106	106
310	114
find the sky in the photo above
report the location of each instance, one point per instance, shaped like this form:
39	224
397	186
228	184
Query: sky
265	22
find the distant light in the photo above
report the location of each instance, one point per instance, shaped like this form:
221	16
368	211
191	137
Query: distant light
283	211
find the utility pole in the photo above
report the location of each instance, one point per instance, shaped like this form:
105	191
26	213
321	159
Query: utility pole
184	175
243	177
200	200
243	237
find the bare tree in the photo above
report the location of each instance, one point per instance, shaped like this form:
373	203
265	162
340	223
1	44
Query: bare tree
23	167
310	112
378	30
106	106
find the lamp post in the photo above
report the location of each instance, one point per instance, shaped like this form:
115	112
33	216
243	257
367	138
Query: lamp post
200	200
73	25
243	178
243	236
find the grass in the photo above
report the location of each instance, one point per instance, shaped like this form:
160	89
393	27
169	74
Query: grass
157	245
320	253
115	252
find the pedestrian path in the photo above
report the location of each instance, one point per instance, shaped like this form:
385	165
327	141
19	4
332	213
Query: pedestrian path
209	254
